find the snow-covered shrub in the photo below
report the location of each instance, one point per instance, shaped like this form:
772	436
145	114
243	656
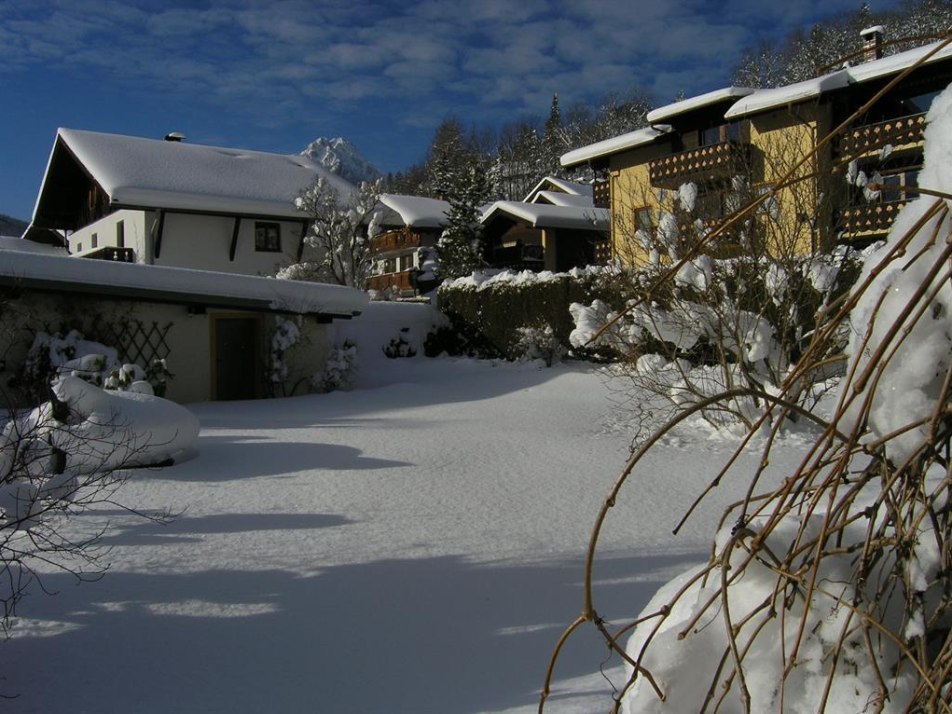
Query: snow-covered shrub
487	309
340	369
54	355
286	334
537	343
830	592
738	323
64	456
400	346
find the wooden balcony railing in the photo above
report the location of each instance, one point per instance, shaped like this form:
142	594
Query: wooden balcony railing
395	240
898	132
714	162
603	251
119	255
868	219
401	281
601	194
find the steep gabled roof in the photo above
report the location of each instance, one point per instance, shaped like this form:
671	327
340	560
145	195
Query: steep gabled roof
553	184
541	215
134	172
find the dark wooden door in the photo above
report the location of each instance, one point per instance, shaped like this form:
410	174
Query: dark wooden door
236	358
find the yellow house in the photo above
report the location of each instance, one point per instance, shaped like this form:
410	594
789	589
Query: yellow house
699	160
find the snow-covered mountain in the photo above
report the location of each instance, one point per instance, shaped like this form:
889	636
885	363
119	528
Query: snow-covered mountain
341	157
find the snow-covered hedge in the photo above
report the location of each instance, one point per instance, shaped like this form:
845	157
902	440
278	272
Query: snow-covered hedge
491	310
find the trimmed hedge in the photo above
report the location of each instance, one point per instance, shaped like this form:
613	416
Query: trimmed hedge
487	317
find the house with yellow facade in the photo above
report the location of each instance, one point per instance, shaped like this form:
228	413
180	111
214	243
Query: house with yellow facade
701	159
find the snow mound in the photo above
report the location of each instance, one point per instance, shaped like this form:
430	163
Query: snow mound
107	430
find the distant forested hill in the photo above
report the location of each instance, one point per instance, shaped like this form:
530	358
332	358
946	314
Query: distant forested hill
10	226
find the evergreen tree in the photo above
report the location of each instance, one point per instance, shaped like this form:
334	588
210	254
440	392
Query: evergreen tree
460	247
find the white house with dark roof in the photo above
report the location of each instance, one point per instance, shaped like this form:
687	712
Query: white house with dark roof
173	203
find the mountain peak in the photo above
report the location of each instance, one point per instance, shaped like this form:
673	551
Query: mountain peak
340	157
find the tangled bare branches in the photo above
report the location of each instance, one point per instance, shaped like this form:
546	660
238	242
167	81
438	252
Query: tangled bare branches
832	590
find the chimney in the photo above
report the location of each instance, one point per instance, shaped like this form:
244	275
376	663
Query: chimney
175	136
872	43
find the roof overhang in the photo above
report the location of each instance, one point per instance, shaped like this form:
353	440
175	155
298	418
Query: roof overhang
178	286
615	145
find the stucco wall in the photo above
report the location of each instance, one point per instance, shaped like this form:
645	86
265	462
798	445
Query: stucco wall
191	241
187	337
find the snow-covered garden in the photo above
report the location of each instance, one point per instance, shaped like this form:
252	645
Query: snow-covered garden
413	545
416	542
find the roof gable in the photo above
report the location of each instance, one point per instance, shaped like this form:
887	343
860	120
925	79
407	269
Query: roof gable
173	175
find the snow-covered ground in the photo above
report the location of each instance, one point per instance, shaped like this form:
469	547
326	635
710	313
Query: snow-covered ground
413	545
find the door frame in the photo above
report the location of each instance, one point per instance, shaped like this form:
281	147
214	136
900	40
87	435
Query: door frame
258	322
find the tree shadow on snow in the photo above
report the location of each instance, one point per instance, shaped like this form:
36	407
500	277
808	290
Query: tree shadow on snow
229	458
400	636
184	528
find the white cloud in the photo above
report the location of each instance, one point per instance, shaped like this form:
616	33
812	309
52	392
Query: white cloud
496	58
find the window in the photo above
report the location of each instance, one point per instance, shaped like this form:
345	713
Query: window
406	262
390	265
95	241
644	221
121	234
268	237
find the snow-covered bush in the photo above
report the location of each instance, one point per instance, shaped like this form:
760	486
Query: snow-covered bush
733	324
286	334
400	345
65	456
487	309
54	355
538	343
831	591
340	369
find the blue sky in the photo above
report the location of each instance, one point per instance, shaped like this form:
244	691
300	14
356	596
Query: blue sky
383	73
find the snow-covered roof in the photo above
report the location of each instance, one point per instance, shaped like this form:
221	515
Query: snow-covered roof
413	211
152	173
32	269
553	184
662	114
606	147
557	198
764	99
30	246
789	94
541	215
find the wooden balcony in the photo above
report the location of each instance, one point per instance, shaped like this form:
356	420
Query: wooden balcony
868	219
396	240
399	281
119	255
716	162
603	251
901	132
